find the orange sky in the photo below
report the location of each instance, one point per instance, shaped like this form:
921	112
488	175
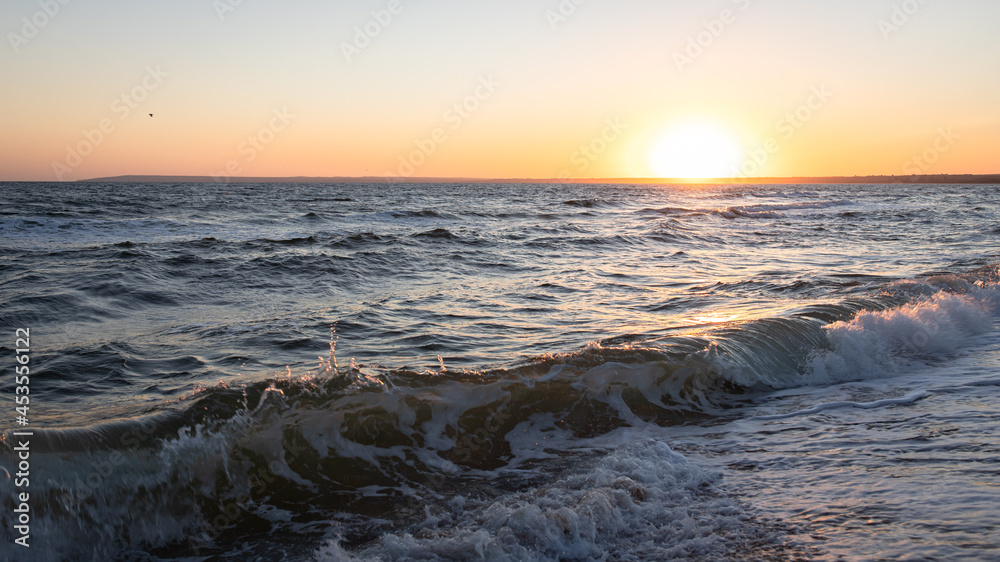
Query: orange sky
516	89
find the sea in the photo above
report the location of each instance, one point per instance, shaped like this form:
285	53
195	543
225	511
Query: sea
476	371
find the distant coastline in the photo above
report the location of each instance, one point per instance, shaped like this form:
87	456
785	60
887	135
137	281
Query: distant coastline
922	179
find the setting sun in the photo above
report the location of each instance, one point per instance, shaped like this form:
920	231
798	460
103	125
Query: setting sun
695	150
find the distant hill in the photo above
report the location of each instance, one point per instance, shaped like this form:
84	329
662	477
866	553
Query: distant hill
923	179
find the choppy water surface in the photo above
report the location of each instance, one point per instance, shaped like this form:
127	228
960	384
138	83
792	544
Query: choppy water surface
522	372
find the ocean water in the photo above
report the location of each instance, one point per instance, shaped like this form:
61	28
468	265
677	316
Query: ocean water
502	372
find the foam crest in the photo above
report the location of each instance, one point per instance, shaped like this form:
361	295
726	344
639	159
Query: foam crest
641	499
875	343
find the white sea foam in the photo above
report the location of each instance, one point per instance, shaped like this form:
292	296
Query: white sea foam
875	343
641	500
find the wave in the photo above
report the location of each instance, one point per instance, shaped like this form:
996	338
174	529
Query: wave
422	214
945	312
584	203
438	234
908	398
641	500
345	441
43	232
745	211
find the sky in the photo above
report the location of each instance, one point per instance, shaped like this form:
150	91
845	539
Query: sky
513	89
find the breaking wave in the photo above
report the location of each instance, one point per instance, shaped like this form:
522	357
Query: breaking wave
413	449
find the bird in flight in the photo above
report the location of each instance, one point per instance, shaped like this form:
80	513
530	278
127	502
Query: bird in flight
150	114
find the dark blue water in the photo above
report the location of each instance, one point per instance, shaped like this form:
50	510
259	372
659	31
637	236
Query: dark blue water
503	371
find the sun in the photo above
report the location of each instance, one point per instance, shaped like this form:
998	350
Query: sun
695	150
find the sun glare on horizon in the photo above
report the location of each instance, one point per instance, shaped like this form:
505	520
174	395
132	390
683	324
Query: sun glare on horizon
695	150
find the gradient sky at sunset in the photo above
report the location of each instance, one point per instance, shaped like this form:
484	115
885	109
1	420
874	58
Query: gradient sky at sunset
804	87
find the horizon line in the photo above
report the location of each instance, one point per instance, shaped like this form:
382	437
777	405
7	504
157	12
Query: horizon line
881	178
